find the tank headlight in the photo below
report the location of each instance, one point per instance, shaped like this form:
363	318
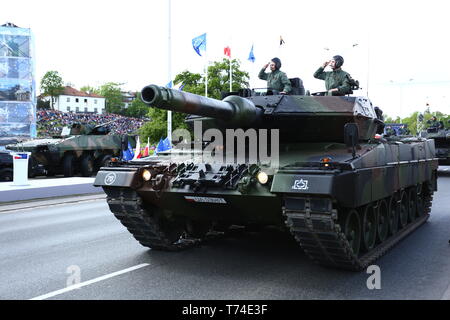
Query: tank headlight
326	161
146	175
262	177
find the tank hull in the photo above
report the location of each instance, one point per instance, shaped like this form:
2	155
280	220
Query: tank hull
312	201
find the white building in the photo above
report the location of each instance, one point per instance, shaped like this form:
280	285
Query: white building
77	101
127	98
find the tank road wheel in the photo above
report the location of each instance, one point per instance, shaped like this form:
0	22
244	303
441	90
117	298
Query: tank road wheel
68	165
412	203
403	210
369	227
420	208
393	214
352	230
383	220
87	165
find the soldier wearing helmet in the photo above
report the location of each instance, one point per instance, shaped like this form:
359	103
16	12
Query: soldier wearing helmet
276	79
337	82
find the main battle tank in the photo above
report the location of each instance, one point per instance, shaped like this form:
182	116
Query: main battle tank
346	194
80	149
441	137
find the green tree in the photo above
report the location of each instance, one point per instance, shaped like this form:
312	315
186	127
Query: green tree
218	82
113	96
137	108
156	128
89	89
52	86
218	79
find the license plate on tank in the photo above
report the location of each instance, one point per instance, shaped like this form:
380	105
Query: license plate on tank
205	199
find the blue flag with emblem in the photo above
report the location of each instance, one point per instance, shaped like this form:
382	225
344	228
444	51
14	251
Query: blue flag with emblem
251	56
128	154
163	145
199	44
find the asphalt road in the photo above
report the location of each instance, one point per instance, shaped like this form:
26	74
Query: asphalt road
46	248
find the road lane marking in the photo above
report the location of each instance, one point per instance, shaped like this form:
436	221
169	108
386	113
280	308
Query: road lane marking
86	283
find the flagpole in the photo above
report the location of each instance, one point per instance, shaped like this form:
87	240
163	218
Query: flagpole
169	70
231	70
231	75
206	73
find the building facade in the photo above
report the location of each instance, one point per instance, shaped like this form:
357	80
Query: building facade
73	100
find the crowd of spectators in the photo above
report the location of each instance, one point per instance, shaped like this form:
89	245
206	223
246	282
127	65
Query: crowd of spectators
51	122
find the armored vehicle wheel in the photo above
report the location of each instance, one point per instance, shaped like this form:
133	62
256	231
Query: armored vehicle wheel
383	220
31	165
69	165
412	204
369	227
352	230
404	209
104	160
393	214
6	174
87	165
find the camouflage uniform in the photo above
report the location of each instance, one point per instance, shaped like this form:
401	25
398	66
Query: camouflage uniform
334	79
276	80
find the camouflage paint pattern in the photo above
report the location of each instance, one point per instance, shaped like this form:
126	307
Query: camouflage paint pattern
50	152
311	128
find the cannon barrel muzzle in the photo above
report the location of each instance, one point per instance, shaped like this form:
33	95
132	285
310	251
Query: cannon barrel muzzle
233	109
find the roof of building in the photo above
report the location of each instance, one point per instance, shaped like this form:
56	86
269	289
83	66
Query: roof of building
69	91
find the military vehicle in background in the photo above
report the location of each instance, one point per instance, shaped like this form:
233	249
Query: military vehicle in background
6	160
436	130
396	129
80	149
345	193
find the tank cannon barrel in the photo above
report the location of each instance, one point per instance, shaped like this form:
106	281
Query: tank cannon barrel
233	109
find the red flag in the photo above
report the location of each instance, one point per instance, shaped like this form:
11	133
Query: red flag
146	150
227	51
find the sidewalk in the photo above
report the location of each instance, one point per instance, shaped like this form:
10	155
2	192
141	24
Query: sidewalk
42	188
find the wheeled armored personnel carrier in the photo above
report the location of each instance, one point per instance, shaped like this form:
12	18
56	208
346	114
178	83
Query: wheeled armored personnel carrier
80	149
441	136
346	194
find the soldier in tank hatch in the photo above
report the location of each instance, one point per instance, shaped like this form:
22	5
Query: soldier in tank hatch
276	79
337	82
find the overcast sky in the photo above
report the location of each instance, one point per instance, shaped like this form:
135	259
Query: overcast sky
398	50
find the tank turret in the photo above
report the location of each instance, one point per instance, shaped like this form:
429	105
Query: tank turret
321	118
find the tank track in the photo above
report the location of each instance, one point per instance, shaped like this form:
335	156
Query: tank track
322	239
145	226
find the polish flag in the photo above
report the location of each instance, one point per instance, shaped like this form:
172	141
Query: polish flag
137	153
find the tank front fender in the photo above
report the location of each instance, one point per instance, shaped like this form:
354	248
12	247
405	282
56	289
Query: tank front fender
116	178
